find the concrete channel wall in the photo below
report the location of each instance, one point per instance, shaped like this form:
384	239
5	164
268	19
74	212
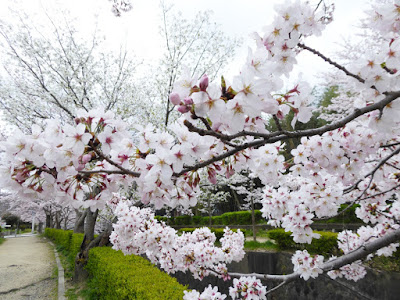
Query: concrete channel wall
376	285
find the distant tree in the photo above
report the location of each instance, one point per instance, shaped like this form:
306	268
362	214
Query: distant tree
50	71
195	44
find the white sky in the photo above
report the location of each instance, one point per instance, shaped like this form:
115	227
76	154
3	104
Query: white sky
139	28
237	18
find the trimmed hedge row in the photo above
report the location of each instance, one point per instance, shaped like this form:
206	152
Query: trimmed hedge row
67	241
230	218
219	232
116	276
325	245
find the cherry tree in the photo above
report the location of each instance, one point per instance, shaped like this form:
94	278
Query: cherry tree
222	130
192	46
51	70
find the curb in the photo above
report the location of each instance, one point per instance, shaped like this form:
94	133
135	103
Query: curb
61	280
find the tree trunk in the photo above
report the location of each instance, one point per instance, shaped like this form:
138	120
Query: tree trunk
253	220
235	197
209	213
88	242
40	229
48	220
58	220
65	222
80	221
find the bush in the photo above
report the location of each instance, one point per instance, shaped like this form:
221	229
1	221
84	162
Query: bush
229	218
115	276
67	241
183	220
325	245
160	218
196	220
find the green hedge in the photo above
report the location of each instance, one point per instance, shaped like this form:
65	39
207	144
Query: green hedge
230	218
325	245
116	276
219	232
66	241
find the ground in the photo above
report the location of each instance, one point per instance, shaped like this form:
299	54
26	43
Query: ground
27	269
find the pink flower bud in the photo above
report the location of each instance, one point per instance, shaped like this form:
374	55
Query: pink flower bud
183	109
203	83
188	101
175	99
86	158
77	121
80	167
212	176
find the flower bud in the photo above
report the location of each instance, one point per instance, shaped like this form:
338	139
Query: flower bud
174	98
188	101
80	167
203	83
86	158
183	109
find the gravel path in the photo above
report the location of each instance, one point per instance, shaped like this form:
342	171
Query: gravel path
26	269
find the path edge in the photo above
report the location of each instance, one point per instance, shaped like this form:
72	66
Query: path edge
61	279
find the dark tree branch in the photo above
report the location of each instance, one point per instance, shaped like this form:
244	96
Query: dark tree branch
328	60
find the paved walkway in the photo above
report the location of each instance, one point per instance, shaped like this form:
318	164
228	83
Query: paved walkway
27	269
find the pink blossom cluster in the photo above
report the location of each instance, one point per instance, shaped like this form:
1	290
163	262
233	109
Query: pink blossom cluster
354	271
385	18
307	265
248	288
349	241
222	130
254	91
209	293
137	232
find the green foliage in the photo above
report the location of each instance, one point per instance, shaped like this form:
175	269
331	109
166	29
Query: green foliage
11	219
219	232
183	220
75	246
327	96
326	245
230	218
116	276
268	245
2	240
389	264
196	220
160	218
66	241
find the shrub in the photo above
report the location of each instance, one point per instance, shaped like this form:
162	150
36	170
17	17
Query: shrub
60	237
67	241
116	276
160	218
196	220
183	220
216	220
75	246
325	245
229	218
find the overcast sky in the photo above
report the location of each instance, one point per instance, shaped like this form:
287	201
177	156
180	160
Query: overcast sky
139	27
